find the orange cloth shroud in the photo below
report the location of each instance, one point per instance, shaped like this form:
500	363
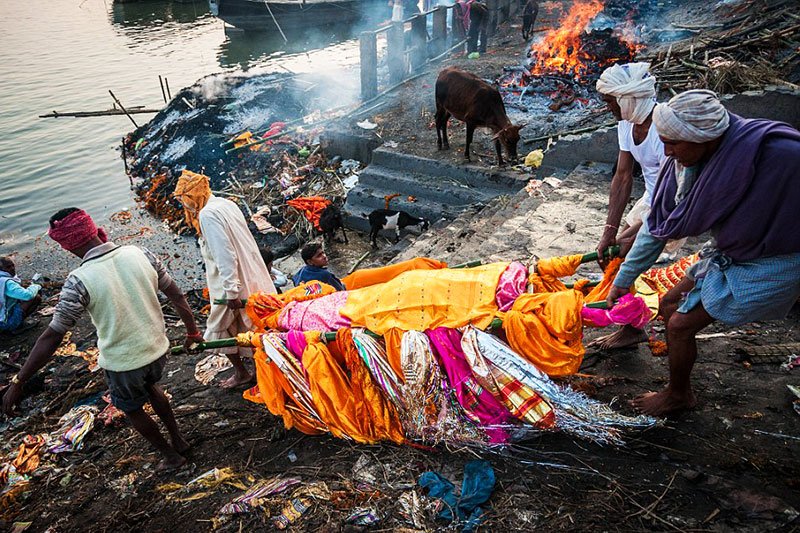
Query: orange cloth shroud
377	416
546	329
373	276
281	386
420	300
311	207
548	272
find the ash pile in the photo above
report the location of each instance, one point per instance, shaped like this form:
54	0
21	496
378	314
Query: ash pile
256	138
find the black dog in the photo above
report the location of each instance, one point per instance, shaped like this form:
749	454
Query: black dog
390	219
330	220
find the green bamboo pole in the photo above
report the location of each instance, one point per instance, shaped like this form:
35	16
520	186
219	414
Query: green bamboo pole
468	264
571	285
611	251
208	345
224	301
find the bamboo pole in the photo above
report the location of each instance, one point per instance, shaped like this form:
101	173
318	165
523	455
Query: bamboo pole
329	336
123	108
104	113
611	251
163	92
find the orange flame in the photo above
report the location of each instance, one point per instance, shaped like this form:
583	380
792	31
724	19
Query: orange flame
560	49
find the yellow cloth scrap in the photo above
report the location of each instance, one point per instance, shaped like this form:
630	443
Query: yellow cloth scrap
534	158
416	300
547	329
243	140
367	277
192	191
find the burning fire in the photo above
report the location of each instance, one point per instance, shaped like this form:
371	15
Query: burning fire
564	51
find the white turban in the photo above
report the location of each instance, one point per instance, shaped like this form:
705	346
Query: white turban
695	116
633	87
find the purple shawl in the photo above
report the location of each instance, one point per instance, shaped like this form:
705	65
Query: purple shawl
748	193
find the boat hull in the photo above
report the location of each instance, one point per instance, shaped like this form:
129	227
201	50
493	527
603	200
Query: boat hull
259	16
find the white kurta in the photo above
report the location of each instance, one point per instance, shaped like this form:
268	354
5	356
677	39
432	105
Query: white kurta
234	268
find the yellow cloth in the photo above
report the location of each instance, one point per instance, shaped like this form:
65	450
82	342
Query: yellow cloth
547	272
193	191
600	292
332	392
547	329
421	299
534	158
367	277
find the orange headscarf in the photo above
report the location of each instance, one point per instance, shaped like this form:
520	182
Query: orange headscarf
193	191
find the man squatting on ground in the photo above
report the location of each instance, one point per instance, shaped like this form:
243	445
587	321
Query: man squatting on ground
629	93
234	268
737	179
118	286
16	302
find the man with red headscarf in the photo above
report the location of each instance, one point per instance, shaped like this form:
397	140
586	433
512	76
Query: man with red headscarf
118	286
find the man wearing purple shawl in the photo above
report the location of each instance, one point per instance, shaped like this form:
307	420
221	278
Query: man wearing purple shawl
737	179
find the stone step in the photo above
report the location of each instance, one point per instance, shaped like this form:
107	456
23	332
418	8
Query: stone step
441	189
564	220
479	177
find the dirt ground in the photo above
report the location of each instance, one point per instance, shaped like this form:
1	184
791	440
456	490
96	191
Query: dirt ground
729	465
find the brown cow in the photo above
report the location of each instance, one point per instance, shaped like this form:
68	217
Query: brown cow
478	104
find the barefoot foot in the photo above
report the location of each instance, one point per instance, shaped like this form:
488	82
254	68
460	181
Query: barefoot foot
172	462
237	380
622	338
664	402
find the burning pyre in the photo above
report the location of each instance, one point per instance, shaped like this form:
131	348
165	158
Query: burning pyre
570	57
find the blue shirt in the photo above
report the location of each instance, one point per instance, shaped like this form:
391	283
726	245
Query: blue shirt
314	273
12	292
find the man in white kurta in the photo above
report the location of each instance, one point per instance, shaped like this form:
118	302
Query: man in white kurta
234	268
234	271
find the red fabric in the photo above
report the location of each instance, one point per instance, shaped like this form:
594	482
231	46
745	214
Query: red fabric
75	230
311	206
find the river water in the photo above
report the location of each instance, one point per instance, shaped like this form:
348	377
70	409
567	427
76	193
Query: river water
65	55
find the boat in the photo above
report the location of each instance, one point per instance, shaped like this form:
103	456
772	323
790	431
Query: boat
291	15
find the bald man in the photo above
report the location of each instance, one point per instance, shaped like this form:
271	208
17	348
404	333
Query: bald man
737	179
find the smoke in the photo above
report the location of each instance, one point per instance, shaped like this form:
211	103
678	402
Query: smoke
211	87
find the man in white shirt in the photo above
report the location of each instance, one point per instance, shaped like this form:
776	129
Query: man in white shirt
234	268
629	92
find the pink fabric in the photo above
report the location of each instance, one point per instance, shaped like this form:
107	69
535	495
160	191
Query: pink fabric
296	342
321	314
478	403
75	230
512	283
630	310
